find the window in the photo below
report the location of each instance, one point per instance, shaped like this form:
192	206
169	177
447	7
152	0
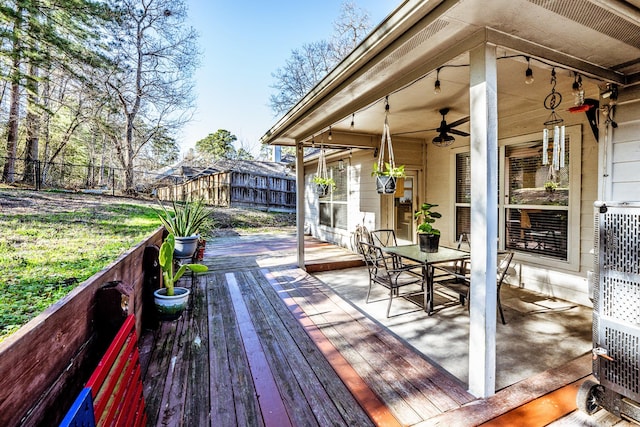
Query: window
539	210
333	206
463	194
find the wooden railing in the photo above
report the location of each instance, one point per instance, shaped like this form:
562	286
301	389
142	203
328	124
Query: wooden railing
47	361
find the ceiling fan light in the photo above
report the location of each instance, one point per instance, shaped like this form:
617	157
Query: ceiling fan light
443	140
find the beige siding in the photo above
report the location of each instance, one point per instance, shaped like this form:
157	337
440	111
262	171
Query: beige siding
365	205
625	148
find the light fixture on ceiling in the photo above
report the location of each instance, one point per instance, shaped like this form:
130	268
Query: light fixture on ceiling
353	121
610	92
436	86
528	75
443	139
330	134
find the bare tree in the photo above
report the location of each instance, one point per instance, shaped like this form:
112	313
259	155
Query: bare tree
155	55
349	30
309	64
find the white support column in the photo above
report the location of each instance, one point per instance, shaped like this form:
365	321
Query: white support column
484	220
300	203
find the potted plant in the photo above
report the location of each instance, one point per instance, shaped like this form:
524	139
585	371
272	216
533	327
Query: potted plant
386	178
188	219
428	237
550	186
323	184
171	300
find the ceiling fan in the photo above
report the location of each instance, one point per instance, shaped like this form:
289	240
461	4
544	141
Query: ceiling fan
444	139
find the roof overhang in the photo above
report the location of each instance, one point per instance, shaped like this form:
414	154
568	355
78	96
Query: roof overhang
598	39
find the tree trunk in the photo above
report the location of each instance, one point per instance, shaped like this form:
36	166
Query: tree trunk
33	126
8	172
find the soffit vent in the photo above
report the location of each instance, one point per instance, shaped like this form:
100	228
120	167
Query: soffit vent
595	17
413	43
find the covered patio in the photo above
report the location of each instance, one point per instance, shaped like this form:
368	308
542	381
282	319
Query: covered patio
264	343
471	86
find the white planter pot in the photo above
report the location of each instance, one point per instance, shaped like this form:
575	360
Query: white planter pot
185	246
171	307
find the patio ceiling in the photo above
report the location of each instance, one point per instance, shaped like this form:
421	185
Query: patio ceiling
599	39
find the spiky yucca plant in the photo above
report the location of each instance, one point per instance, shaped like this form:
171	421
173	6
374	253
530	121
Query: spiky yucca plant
188	220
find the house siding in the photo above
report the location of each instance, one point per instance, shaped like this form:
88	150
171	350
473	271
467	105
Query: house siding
365	206
625	149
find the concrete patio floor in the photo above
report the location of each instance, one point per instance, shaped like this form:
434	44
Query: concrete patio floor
541	332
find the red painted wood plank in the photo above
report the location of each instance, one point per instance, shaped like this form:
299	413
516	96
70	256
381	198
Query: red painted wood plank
97	378
273	410
116	383
367	398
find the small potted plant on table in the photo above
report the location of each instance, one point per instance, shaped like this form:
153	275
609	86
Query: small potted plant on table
428	237
171	300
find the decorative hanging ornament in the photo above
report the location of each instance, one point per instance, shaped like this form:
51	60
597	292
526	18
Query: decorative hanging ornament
553	123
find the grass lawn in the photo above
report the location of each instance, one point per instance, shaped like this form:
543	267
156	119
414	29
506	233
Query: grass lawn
51	241
45	255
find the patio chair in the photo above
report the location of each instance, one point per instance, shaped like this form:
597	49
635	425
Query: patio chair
384	238
383	272
464	266
360	234
461	283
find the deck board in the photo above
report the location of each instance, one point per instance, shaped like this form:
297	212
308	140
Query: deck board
316	380
330	363
397	375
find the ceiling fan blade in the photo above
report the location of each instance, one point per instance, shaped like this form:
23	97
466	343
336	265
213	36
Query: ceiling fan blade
458	132
414	131
459	122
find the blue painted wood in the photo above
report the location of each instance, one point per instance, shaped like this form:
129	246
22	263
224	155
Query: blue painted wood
81	412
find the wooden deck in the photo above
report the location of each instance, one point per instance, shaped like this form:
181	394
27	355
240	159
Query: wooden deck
274	346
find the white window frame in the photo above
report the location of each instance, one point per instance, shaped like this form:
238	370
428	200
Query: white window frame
329	200
574	134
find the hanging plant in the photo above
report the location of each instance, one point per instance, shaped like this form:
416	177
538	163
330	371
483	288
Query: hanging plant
386	172
324	183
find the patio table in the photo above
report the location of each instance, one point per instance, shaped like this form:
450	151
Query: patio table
428	260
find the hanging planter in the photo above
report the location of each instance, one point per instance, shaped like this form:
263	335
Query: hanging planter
324	183
386	184
386	172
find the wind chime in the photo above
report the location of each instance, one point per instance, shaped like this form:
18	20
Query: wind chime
553	124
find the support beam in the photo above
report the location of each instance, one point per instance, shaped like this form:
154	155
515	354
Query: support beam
484	220
300	203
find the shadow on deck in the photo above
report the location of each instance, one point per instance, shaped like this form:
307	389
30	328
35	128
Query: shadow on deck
265	343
